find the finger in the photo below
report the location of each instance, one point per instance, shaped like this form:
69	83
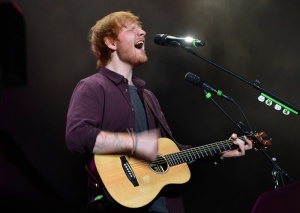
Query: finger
241	146
242	149
248	144
233	136
239	142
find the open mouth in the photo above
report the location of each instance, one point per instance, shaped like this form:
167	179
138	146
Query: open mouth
139	45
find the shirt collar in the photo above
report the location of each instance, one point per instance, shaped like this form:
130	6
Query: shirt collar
117	78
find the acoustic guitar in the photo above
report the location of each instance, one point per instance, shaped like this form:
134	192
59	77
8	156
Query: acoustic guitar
134	183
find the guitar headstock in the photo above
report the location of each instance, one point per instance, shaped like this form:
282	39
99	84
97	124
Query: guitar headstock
260	139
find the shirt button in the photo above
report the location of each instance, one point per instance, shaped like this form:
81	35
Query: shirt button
132	109
126	90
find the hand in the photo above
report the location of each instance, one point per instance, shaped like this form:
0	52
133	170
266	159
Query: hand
242	146
147	145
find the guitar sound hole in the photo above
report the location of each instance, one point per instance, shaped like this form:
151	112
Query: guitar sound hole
159	165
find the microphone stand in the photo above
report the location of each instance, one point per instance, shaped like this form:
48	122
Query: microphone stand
288	107
277	171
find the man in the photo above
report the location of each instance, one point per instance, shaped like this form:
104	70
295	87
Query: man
109	114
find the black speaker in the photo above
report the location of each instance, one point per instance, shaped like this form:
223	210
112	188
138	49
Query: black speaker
12	46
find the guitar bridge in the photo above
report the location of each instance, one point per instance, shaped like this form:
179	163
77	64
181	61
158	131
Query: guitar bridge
128	171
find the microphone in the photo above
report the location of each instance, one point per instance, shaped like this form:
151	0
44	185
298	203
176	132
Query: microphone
194	79
167	40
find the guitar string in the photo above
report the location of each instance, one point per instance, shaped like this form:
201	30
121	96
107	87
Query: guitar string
209	149
177	156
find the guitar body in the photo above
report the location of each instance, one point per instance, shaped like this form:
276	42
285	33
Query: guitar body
134	183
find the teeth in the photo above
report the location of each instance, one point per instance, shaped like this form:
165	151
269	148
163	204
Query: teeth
140	42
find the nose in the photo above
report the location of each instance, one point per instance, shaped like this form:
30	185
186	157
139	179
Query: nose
142	32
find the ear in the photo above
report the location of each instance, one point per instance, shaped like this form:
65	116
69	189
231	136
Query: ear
110	43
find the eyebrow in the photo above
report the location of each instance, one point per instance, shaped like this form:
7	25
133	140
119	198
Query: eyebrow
132	26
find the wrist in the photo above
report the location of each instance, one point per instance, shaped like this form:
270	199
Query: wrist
136	143
133	139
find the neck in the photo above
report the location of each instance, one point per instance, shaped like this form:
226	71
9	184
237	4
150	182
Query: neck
122	69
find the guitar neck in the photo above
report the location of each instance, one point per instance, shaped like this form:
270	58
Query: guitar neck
195	153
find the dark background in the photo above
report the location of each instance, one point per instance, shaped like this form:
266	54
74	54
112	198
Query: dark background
41	64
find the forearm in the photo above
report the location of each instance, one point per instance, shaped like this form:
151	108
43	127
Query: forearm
141	145
113	143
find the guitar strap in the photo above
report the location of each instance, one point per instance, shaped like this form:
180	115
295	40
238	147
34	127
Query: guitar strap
161	125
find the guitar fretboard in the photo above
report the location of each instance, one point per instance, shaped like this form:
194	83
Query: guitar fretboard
195	153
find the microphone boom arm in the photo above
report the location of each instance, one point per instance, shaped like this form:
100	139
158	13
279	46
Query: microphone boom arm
283	103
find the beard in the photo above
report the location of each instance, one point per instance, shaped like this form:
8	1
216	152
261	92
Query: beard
132	56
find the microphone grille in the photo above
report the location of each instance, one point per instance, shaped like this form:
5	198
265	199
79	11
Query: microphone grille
192	78
159	39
